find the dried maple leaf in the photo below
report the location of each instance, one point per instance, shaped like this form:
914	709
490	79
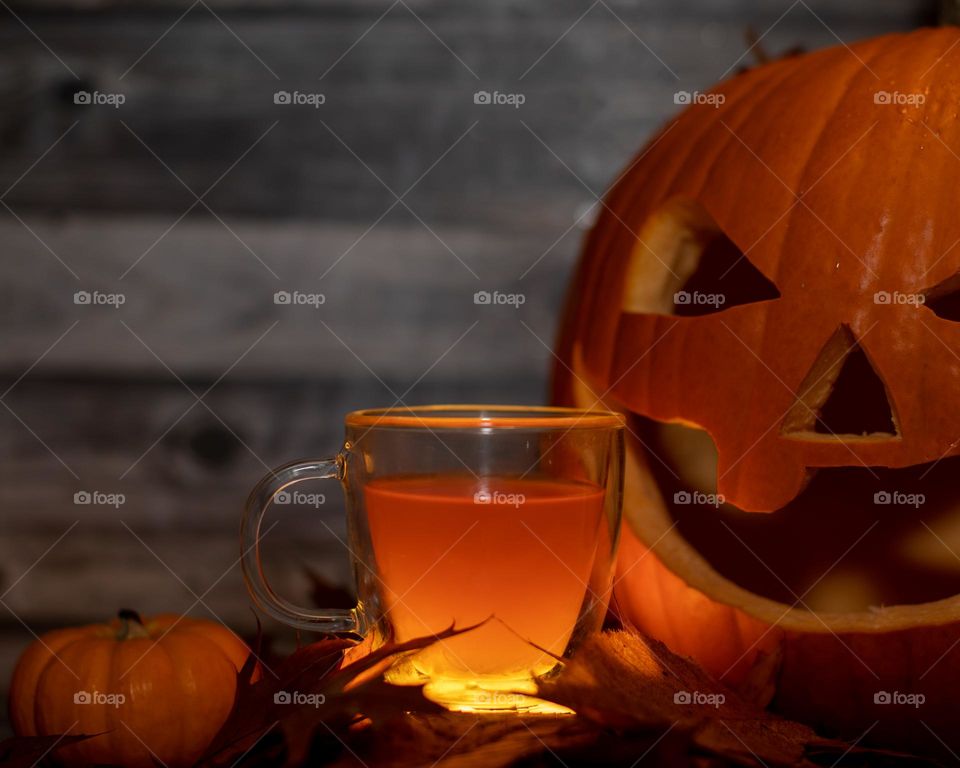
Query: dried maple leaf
456	740
631	684
314	693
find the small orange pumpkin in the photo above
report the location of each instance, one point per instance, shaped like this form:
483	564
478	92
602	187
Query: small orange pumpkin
157	690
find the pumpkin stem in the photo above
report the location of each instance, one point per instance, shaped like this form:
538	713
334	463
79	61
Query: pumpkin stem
131	625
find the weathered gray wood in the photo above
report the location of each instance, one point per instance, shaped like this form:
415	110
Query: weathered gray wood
398	301
544	9
12	644
399	99
56	592
181	469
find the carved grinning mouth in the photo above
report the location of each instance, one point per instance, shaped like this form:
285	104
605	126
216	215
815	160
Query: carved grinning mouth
854	539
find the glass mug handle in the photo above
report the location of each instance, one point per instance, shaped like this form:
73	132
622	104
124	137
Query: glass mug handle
333	620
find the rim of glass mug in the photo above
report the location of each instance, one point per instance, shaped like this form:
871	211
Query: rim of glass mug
484	417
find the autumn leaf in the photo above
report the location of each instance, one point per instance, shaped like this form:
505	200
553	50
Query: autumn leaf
458	740
254	712
630	684
634	698
313	693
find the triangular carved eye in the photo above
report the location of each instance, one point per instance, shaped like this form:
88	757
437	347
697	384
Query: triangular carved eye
724	278
683	264
842	394
944	299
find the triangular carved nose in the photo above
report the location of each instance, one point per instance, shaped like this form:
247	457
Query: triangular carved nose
842	394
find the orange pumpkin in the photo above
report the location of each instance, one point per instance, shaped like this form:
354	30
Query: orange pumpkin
771	294
157	691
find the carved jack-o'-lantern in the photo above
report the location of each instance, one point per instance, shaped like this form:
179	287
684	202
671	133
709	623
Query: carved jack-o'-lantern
771	293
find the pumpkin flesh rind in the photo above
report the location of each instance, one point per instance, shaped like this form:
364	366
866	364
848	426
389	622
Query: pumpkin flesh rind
800	127
793	146
821	669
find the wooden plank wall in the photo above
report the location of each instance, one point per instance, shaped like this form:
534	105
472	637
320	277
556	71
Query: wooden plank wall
104	198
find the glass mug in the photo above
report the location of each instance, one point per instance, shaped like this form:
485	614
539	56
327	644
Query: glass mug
506	517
